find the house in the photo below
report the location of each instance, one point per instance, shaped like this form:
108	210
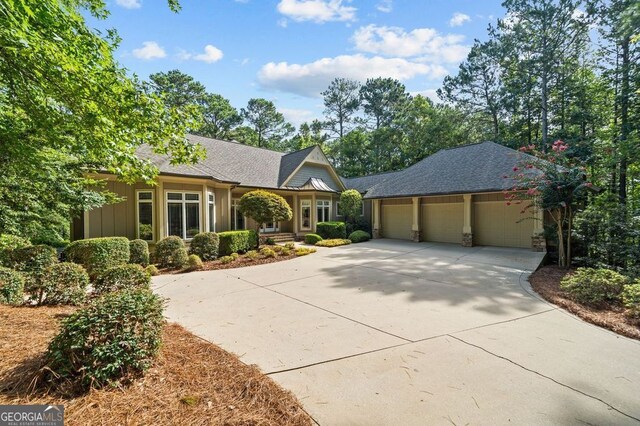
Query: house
452	196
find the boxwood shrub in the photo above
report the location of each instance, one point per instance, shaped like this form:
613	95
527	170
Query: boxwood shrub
11	287
110	341
359	236
312	238
329	230
123	277
194	262
139	252
631	298
34	262
166	251
98	254
152	270
594	286
237	241
205	245
66	284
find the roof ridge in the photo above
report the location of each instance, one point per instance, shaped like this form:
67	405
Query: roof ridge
240	144
374	174
312	147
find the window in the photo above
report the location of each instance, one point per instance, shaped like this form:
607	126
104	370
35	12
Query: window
183	214
305	214
339	212
145	215
323	208
237	220
211	206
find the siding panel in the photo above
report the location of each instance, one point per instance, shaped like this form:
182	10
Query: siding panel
308	171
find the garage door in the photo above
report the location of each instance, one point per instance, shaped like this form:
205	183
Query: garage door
396	221
496	224
442	222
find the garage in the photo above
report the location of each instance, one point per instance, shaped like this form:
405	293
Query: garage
396	219
442	219
497	224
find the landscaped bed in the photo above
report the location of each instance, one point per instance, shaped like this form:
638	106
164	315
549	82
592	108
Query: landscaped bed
190	382
610	315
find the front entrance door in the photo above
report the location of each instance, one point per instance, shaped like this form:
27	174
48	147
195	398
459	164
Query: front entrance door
270	227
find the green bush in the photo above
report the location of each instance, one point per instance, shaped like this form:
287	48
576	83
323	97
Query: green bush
593	286
205	245
194	262
290	245
98	254
180	258
267	252
11	287
237	241
152	270
8	243
270	241
226	259
631	298
359	236
252	255
303	251
112	340
235	256
312	238
66	284
331	230
333	242
285	252
139	252
123	277
165	250
34	262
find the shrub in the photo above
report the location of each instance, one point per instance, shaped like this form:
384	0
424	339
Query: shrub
123	277
11	287
111	340
205	245
270	241
66	284
34	262
329	230
194	262
252	255
359	236
98	254
334	242
303	251
285	252
139	252
312	238
152	270
180	258
8	243
226	259
277	248
166	249
267	252
234	256
593	286
237	241
631	298
263	206
290	245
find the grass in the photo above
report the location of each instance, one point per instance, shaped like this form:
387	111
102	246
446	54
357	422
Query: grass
192	382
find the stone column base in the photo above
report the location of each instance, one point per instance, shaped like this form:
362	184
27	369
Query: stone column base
376	233
415	236
538	243
467	240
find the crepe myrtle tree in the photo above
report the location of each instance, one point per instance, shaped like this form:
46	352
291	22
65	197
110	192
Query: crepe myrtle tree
351	205
553	183
264	206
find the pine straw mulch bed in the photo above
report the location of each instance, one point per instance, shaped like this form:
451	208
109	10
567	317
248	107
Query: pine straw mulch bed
241	262
192	382
546	282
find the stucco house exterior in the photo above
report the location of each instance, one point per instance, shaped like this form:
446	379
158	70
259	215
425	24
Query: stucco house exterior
452	196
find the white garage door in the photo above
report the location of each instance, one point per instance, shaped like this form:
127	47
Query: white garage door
396	221
497	224
442	222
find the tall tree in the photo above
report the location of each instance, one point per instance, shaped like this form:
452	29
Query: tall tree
219	117
268	124
177	88
341	102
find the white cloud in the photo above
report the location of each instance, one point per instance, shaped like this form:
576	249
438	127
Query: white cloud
459	19
211	54
385	6
297	116
317	11
129	4
312	78
149	50
426	43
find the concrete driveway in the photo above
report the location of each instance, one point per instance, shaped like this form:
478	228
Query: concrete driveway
391	332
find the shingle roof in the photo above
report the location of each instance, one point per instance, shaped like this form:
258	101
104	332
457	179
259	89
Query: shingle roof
363	183
233	162
466	169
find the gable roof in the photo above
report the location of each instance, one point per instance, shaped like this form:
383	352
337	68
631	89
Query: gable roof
466	169
363	183
233	162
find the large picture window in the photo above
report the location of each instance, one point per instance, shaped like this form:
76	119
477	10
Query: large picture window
237	220
323	208
183	214
305	214
145	215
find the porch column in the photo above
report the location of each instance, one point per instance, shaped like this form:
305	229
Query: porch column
160	211
538	242
205	209
415	226
229	209
467	232
314	209
376	219
87	228
294	208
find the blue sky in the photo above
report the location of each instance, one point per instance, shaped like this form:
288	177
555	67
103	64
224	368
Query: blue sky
288	51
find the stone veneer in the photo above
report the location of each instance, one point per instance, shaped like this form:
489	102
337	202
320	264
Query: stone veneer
415	236
467	240
538	243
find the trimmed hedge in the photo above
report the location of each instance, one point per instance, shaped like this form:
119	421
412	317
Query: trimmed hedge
312	238
237	241
359	236
112	340
194	262
139	252
123	277
333	242
11	287
166	252
8	243
152	270
205	245
98	254
329	230
594	286
66	284
34	262
631	298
